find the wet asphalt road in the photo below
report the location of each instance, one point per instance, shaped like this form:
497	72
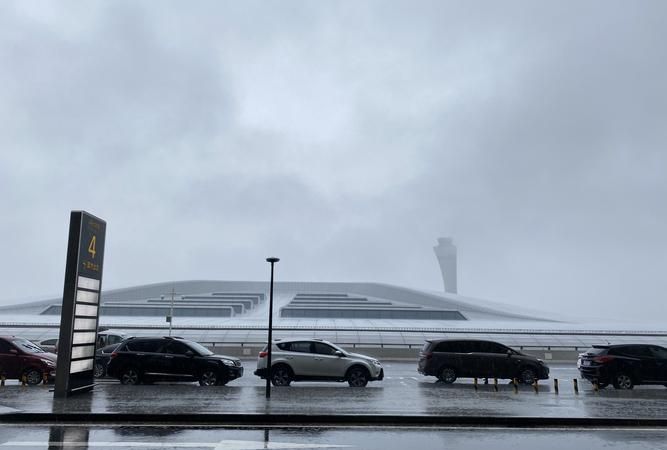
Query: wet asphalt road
101	438
403	392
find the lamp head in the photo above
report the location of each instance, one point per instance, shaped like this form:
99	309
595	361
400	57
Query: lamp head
272	259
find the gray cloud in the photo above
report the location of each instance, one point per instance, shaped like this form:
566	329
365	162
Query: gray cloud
344	138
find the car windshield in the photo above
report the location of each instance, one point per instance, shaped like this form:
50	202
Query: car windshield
340	349
28	346
199	349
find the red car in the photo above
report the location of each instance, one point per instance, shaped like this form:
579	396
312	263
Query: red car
19	357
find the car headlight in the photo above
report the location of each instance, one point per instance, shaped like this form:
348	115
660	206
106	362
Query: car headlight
228	362
376	362
48	362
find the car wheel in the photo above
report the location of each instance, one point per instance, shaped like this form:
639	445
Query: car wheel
208	377
357	377
130	376
33	376
623	381
527	375
98	370
281	376
447	375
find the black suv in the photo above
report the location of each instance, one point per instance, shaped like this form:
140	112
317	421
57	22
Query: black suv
624	366
449	359
169	358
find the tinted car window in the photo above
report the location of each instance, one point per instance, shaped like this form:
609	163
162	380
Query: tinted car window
324	349
143	346
659	352
635	351
282	346
175	348
303	347
469	347
447	346
426	346
5	346
488	347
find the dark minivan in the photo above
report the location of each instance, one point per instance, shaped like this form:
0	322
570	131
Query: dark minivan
449	359
624	366
137	360
19	357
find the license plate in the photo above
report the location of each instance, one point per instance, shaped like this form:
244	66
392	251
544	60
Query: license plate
585	363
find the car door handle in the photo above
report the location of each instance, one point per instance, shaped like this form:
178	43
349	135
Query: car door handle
169	357
317	359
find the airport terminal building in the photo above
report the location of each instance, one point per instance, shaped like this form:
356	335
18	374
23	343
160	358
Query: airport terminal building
235	313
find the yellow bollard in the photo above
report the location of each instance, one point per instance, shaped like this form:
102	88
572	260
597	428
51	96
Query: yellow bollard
24	380
516	385
495	384
474	382
556	386
45	378
576	386
2	379
536	387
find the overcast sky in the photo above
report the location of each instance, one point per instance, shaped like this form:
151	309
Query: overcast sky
343	137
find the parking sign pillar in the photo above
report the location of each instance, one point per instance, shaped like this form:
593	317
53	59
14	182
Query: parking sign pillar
272	260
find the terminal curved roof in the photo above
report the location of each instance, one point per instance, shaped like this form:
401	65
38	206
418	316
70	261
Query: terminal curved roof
198	301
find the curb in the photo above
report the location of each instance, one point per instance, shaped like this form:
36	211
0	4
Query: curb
299	420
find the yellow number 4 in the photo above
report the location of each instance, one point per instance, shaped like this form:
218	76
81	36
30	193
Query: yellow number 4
91	246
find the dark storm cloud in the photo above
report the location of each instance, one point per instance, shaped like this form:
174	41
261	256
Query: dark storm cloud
345	138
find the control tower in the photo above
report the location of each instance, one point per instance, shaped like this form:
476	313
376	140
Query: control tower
445	251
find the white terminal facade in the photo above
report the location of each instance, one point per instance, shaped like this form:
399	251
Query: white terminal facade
236	312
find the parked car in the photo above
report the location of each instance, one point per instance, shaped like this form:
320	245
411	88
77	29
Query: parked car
102	358
449	359
49	345
19	357
137	360
108	337
625	366
316	360
104	337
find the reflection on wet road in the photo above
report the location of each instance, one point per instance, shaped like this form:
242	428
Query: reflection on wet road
403	392
58	437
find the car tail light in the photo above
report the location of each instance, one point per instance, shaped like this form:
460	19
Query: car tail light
113	355
263	354
603	359
427	355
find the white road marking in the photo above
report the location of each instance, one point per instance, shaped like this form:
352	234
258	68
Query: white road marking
222	445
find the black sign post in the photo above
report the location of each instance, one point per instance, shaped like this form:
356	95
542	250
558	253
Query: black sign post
81	299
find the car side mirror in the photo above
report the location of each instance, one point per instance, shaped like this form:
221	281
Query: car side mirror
13	351
339	353
189	354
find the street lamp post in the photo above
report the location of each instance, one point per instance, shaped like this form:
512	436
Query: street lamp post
271	260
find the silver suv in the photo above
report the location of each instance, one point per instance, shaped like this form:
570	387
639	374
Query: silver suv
316	360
